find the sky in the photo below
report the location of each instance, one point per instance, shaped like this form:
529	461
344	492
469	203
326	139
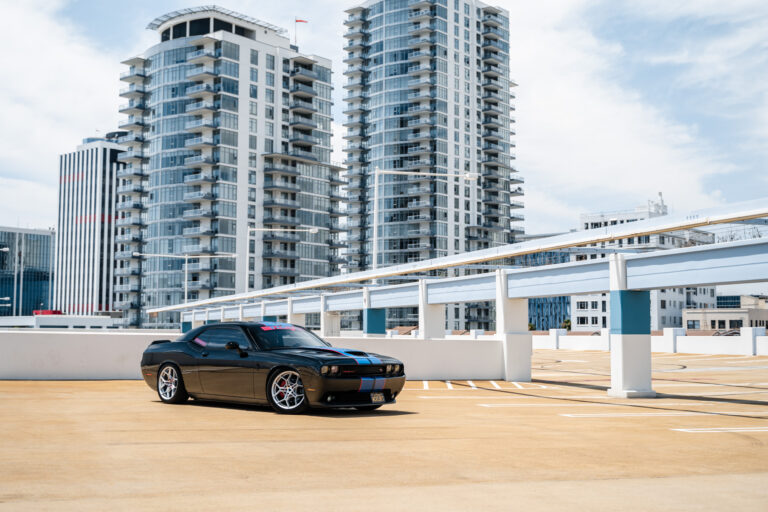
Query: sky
617	101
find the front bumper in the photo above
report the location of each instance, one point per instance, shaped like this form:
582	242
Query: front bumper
334	392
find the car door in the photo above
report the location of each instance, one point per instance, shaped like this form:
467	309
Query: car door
223	372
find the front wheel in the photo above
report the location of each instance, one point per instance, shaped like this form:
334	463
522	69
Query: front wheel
170	386
286	393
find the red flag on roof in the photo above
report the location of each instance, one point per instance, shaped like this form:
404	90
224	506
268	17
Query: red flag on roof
300	21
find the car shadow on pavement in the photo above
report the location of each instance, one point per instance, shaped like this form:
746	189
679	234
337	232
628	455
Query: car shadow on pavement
326	413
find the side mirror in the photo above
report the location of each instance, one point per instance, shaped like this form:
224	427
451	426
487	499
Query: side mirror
232	346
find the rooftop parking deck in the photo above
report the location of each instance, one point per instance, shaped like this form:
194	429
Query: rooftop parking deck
555	443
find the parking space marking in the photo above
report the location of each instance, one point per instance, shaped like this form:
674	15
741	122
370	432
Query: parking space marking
493	383
448	383
518	386
718	430
425	384
591	404
661	414
471	384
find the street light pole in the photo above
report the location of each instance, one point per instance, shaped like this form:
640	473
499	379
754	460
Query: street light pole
186	257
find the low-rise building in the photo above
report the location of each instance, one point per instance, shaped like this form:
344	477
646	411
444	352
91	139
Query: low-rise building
26	270
732	312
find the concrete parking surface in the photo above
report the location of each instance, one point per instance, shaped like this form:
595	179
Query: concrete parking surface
555	443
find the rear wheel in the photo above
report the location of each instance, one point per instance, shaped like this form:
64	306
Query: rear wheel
367	407
286	393
170	386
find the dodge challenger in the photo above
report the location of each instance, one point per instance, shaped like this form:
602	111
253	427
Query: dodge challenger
279	364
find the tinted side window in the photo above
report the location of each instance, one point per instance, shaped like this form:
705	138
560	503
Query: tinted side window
218	337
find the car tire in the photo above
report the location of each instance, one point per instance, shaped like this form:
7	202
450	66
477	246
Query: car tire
285	392
365	408
170	385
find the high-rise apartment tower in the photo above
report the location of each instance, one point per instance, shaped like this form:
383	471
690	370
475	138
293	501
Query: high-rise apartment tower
231	132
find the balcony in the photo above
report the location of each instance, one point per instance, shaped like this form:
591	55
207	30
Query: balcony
492	97
200	285
200	125
132	123
134	75
299	153
128	238
127	271
359	108
131	171
493	20
198	213
201	107
492	58
355	121
201	266
356	70
420	136
414	56
492	134
135	91
490	32
201	177
306	123
201	73
199	143
198	249
356	44
494	45
200	161
301	90
126	288
199	196
357	83
271	168
418	70
130	189
302	107
201	90
492	71
279	271
304	74
280	202
133	108
288	255
202	57
422	29
418	164
420	15
302	139
281	185
132	156
124	305
129	205
280	237
126	255
280	219
134	139
416	150
492	84
129	221
419	42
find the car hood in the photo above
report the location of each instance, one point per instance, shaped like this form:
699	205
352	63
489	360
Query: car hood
336	354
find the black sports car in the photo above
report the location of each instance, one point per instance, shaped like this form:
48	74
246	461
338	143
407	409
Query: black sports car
283	365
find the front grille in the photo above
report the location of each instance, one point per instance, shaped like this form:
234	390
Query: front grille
362	370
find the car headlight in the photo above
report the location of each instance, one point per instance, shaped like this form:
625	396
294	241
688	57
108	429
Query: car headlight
389	369
334	370
397	368
323	370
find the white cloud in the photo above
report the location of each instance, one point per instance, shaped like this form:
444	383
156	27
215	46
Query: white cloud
58	90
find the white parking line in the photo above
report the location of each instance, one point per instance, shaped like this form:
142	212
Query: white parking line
425	384
448	383
663	414
518	386
471	384
719	430
493	383
591	404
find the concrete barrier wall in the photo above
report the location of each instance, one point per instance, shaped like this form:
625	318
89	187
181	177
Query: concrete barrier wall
93	355
74	355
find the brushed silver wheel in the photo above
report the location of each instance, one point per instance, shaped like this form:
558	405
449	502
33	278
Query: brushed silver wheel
287	392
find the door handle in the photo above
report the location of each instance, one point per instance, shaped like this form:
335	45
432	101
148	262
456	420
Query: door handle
205	354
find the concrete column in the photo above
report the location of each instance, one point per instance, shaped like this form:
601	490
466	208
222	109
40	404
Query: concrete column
751	334
512	330
630	335
431	316
295	318
240	312
330	321
374	319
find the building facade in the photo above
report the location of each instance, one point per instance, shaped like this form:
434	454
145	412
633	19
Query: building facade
592	312
26	270
732	312
85	278
229	162
428	91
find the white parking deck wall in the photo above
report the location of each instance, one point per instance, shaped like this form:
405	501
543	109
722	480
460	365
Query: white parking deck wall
101	355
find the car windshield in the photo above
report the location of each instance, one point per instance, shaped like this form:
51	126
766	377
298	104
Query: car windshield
276	335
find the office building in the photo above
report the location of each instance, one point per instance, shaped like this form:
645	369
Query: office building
428	92
592	312
86	278
230	131
26	270
732	312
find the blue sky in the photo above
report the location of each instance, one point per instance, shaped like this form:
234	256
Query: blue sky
616	102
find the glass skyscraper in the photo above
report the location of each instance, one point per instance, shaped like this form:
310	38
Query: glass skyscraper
26	270
428	91
230	131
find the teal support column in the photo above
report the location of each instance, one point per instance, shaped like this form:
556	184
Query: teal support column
186	326
630	332
374	321
269	318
